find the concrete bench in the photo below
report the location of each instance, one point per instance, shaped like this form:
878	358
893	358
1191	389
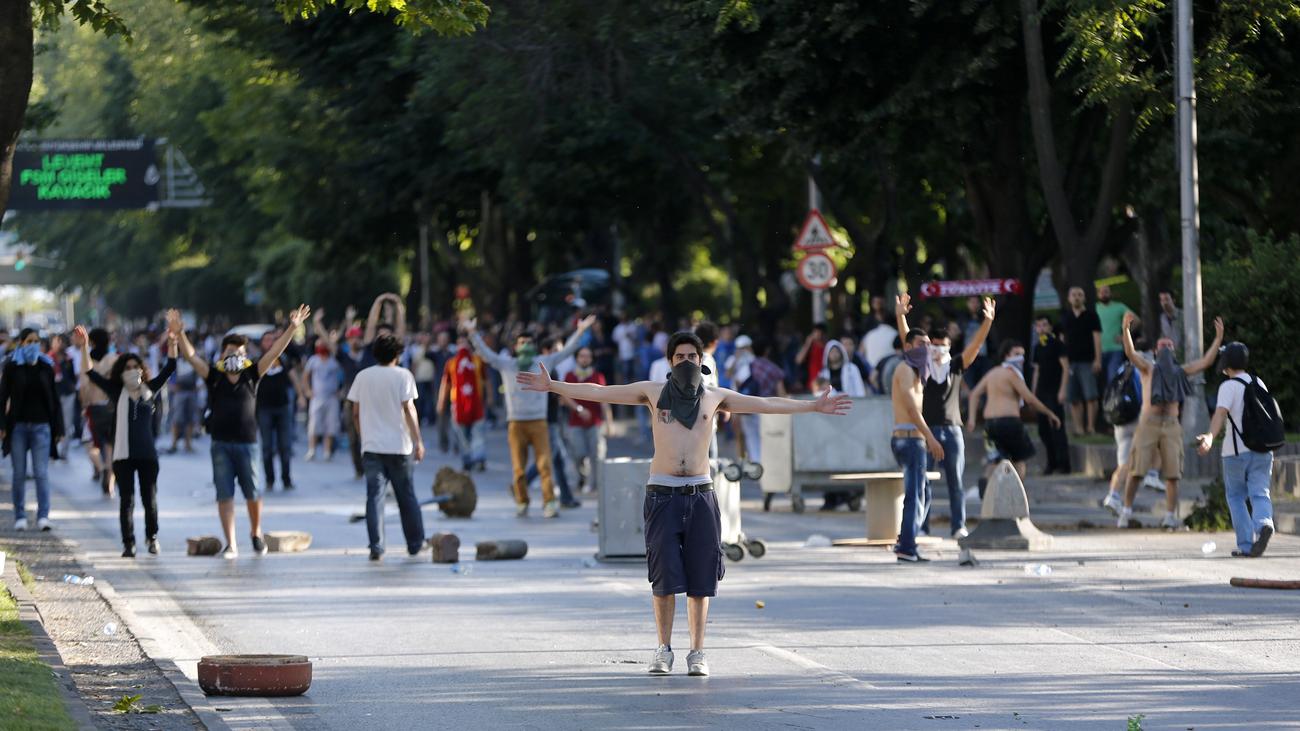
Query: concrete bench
884	507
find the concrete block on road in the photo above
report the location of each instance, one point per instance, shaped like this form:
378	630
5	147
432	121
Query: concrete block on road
446	547
287	541
1004	516
460	487
501	550
203	546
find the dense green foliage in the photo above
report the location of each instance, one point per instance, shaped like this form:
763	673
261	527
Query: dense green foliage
1256	288
677	135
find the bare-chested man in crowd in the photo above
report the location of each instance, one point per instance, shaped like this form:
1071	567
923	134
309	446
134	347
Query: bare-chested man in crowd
912	439
1007	392
1159	436
683	534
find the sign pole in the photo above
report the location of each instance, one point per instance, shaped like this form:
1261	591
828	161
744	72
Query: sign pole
1194	417
818	296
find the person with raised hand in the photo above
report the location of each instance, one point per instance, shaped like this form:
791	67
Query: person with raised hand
134	395
232	422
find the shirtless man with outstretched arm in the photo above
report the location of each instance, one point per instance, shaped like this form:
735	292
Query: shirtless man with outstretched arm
683	533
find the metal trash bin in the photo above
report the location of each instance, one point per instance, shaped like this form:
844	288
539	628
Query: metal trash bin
621	508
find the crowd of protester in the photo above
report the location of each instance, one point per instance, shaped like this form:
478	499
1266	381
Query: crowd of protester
63	390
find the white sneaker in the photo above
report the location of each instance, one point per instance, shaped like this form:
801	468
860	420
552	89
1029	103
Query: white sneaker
1153	481
20	524
662	664
310	455
961	533
551	509
1125	515
695	663
1113	503
43	524
521	510
1170	522
973	494
230	553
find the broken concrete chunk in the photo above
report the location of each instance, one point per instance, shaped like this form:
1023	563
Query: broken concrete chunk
287	541
501	550
446	547
203	546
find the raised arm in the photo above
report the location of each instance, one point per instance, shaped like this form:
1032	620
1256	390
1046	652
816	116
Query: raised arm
902	307
571	346
631	394
1207	360
972	350
296	319
399	318
186	348
169	366
496	360
1126	336
372	320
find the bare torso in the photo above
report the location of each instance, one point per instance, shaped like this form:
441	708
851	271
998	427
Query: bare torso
1003	396
907	387
680	451
92	394
1150	410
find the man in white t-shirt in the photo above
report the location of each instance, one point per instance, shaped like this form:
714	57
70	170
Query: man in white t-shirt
389	429
1246	473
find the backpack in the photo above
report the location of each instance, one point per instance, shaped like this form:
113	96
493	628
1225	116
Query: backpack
1122	402
1261	428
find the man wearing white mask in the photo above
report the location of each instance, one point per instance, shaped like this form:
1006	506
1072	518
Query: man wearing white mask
1007	392
941	408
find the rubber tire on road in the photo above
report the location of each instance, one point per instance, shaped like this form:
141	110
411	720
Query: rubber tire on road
734	551
855	503
732	472
753	471
757	548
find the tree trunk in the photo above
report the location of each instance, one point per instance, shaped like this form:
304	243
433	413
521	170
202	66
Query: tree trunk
1082	247
15	83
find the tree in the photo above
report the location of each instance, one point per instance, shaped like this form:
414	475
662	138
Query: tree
446	17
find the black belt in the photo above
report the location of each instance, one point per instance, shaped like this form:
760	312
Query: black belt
687	490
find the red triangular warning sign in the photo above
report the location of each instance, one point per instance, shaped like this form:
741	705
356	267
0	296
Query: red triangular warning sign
815	235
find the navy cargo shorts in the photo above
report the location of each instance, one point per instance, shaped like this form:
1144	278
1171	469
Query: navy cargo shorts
683	542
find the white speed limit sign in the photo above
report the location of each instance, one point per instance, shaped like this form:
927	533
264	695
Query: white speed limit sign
816	271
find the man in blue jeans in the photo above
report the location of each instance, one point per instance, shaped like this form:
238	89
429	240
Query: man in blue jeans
941	408
32	422
232	422
912	439
389	427
1246	473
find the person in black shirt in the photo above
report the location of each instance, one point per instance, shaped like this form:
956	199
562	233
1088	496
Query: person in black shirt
1082	330
1051	376
134	397
941	408
232	399
32	422
275	411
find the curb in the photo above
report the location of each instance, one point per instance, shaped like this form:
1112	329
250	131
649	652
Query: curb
30	615
199	702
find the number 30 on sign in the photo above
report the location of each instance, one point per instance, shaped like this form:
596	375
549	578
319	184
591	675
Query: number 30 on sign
816	271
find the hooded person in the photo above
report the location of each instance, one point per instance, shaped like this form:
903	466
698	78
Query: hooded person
839	371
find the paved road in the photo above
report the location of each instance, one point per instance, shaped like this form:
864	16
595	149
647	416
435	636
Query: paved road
1127	623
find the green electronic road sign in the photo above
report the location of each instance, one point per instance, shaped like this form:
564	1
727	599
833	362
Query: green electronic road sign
56	175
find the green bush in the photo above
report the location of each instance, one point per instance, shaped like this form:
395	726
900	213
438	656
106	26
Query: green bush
1210	513
1256	289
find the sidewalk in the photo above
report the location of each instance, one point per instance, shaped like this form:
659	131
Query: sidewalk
98	658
